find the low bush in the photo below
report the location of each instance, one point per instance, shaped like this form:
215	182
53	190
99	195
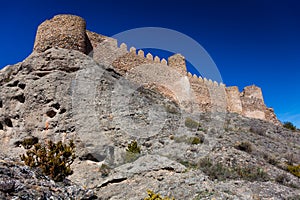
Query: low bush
289	125
282	179
294	169
133	147
244	146
216	170
192	124
54	159
196	140
154	196
270	159
132	152
221	172
252	174
258	130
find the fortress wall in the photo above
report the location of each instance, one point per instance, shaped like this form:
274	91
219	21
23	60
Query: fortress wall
129	61
201	93
64	31
253	92
95	38
218	96
69	32
123	60
253	103
210	96
234	103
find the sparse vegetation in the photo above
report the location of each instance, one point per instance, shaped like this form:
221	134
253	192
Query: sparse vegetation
195	140
104	170
154	196
215	170
244	146
258	130
172	109
133	147
27	143
132	151
290	158
188	164
294	169
282	179
54	159
289	125
221	172
192	124
252	174
270	159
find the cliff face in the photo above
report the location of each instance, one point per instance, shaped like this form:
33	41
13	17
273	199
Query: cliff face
191	147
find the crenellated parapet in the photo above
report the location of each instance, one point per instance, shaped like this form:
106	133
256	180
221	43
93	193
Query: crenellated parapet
69	32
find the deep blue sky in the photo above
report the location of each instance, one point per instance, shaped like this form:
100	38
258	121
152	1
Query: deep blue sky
251	41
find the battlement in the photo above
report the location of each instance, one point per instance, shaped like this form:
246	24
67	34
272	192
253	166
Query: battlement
69	32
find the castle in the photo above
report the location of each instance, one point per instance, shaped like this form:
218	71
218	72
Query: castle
69	32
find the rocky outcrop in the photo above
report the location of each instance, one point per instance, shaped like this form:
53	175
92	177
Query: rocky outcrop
20	182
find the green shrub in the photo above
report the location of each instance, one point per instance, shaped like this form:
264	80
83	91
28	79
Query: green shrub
54	159
132	151
194	140
190	123
154	196
133	147
244	146
289	125
295	170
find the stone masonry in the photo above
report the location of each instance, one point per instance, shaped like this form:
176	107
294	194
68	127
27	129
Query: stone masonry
69	32
64	31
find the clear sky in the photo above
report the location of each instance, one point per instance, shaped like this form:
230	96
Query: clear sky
251	41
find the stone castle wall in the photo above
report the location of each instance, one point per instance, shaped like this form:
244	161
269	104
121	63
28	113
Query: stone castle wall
69	32
210	96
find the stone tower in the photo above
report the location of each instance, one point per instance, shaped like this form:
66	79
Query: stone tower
64	31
